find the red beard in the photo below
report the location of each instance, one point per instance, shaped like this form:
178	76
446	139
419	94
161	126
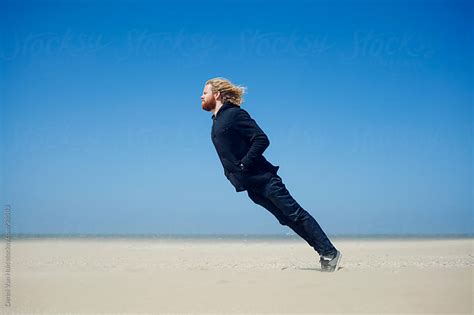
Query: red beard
209	105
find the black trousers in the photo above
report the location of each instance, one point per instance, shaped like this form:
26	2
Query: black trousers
274	197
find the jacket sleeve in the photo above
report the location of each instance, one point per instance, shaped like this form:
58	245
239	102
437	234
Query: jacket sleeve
248	129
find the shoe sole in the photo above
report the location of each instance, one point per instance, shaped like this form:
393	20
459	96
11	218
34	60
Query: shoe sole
338	262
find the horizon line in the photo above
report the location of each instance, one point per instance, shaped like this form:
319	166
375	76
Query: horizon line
234	235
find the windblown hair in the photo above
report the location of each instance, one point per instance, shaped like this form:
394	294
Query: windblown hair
229	91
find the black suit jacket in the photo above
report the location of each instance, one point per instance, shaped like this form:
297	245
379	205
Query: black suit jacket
240	144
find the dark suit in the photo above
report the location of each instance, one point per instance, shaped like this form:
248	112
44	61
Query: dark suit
240	144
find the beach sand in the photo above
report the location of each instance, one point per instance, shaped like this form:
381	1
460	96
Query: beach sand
212	276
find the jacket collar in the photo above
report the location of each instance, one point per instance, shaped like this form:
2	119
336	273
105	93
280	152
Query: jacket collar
224	106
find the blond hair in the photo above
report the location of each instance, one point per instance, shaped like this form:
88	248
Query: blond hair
229	91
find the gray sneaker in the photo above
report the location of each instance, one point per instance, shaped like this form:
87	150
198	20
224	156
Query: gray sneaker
330	263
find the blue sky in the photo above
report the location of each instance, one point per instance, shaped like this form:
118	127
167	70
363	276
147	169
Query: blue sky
367	105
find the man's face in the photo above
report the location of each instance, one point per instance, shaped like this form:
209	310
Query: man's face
208	100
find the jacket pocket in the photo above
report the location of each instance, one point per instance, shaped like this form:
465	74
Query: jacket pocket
230	165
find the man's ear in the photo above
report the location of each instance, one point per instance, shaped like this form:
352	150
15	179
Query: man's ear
217	95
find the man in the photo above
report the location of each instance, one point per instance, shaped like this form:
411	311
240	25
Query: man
240	144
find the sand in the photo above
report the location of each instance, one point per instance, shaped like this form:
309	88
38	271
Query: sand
160	276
